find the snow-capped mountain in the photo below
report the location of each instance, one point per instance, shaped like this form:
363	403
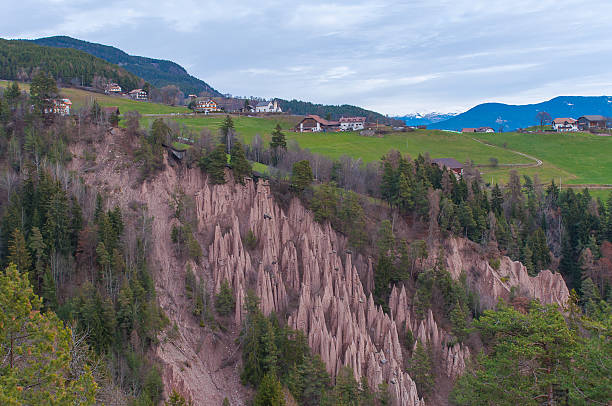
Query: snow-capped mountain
425	118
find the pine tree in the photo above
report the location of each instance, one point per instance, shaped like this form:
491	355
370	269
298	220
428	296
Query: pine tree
38	247
278	138
241	167
270	392
227	133
224	301
18	252
301	176
35	351
215	164
421	369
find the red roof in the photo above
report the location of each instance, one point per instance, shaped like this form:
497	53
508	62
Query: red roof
320	120
564	120
468	130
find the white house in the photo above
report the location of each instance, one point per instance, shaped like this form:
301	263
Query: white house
565	124
138	94
268	107
113	88
352	123
206	106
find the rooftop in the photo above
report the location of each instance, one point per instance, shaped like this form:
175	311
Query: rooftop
450	163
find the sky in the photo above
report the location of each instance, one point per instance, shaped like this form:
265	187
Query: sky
395	57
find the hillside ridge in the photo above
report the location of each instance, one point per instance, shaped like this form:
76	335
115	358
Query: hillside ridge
158	72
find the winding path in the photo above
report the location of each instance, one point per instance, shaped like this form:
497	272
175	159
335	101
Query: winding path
538	162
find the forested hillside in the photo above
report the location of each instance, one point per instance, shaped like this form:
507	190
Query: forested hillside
158	72
21	60
334	112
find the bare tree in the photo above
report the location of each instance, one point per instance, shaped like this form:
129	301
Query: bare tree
543	118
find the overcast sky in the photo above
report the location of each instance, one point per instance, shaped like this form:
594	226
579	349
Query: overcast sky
395	57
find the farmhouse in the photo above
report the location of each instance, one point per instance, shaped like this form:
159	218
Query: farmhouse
58	106
113	88
205	106
268	107
468	130
234	105
138	94
352	123
314	123
592	122
564	124
484	130
449	163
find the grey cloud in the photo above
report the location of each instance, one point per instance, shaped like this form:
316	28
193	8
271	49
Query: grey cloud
391	56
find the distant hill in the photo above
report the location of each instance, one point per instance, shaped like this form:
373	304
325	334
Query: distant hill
511	117
346	110
425	119
20	60
158	72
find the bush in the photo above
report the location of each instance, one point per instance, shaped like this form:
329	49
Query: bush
250	240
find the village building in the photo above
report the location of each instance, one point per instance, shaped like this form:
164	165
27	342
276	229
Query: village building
234	105
138	94
449	163
315	124
484	130
113	88
58	106
592	122
268	107
565	124
468	130
205	106
352	123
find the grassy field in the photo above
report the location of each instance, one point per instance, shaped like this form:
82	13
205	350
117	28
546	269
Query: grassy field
80	98
246	127
574	158
577	158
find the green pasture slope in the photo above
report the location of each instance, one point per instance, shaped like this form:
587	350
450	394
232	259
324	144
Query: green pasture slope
80	98
580	158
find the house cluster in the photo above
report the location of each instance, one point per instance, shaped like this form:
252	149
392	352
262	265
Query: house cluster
233	105
584	123
136	94
314	123
478	130
58	106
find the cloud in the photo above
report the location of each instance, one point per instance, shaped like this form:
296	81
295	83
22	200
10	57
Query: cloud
395	56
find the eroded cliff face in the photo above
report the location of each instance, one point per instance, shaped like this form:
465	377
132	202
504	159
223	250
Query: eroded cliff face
301	270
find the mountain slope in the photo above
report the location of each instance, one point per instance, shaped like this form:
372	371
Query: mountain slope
511	117
22	59
158	72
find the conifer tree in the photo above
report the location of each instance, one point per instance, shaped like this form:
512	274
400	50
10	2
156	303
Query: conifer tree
241	167
215	165
225	301
18	252
301	176
35	351
270	392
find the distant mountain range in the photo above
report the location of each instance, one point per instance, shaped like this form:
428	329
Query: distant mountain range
511	117
424	119
158	72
